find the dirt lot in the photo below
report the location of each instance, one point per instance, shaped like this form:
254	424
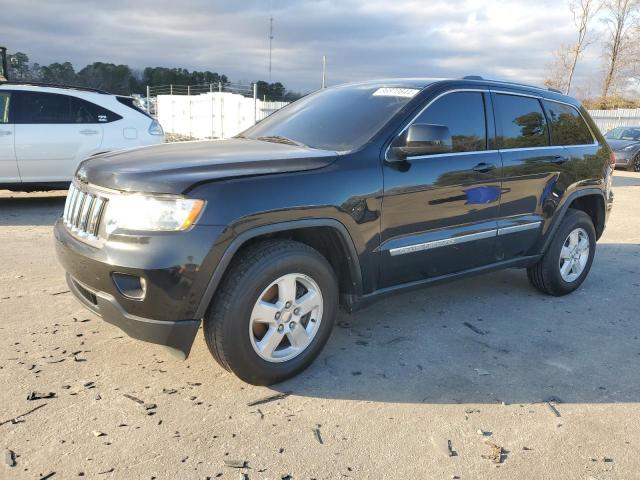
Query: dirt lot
555	382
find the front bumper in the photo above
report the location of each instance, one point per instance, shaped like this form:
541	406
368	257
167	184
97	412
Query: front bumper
176	269
177	336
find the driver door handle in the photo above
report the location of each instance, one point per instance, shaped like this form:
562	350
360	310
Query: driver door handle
88	131
5	133
484	167
559	159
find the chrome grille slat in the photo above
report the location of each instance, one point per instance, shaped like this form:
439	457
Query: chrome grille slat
83	211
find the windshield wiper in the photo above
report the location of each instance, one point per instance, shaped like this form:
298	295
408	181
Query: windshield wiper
280	139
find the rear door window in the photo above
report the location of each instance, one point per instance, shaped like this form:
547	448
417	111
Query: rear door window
54	108
567	125
520	121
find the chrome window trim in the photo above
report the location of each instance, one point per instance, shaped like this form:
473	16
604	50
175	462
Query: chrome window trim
539	97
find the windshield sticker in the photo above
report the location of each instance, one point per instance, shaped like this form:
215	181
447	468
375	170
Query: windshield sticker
395	92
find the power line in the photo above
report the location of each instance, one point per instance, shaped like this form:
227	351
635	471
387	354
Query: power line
270	43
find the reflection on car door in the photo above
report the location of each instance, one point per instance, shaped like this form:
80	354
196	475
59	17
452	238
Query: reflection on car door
53	133
440	211
9	172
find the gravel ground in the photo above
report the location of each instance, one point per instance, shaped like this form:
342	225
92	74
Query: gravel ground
417	386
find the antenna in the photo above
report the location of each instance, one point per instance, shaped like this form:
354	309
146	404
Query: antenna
270	43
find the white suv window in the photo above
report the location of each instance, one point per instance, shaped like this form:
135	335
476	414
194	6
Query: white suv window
53	108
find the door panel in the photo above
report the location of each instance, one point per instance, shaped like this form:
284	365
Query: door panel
9	172
535	173
53	152
440	211
53	134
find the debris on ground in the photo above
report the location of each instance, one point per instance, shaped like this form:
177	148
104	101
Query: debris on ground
473	328
16	419
235	463
316	432
10	458
444	445
97	433
496	452
270	398
553	408
40	396
481	372
47	476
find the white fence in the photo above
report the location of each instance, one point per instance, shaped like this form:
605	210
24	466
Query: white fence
622	117
211	114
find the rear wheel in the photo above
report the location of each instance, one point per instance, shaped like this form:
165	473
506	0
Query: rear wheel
273	313
635	166
568	260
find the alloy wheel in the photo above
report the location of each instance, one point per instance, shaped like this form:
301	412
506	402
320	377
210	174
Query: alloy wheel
574	255
286	318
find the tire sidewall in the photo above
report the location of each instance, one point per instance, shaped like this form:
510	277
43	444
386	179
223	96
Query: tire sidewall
573	220
241	357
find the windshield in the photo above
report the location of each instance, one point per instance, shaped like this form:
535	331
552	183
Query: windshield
624	133
339	118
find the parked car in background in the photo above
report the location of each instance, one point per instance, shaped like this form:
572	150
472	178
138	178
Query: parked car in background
46	131
625	143
342	197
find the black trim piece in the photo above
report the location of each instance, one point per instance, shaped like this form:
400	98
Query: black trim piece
367	299
35	186
221	268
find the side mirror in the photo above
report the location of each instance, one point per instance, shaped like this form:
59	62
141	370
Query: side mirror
423	139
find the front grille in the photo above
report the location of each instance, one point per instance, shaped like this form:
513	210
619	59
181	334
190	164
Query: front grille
82	212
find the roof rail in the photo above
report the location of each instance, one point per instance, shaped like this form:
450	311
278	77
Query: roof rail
57	85
515	84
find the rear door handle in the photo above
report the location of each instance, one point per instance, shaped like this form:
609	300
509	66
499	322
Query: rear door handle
484	167
88	132
559	159
4	133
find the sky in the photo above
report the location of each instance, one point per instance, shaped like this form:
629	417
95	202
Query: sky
362	39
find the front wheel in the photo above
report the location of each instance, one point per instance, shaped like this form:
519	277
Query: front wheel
273	313
568	260
635	164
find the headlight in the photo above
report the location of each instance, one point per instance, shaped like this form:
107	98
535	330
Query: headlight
142	213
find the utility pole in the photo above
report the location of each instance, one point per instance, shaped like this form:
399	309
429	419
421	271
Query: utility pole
324	71
270	43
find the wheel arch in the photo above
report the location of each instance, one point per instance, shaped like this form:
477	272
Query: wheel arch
330	237
589	200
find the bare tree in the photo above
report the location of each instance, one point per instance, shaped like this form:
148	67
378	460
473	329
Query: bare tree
583	12
559	68
621	18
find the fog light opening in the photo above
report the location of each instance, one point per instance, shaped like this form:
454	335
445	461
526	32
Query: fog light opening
130	286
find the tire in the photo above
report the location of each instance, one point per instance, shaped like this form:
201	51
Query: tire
635	164
546	275
232	329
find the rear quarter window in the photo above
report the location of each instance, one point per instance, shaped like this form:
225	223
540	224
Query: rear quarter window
567	125
54	108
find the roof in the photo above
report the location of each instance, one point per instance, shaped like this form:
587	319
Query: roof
52	85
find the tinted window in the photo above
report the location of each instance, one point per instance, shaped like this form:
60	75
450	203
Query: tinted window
4	107
53	108
463	113
567	126
624	133
339	118
521	122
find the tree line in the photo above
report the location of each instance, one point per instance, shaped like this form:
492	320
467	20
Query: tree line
123	80
619	49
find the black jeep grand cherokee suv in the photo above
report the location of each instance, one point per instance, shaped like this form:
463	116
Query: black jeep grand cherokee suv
344	196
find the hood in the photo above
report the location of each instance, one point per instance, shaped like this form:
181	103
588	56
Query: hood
617	145
174	167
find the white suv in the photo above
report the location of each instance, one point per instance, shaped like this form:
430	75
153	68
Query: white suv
46	131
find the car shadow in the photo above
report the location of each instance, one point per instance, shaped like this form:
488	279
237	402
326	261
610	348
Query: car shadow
488	339
33	210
